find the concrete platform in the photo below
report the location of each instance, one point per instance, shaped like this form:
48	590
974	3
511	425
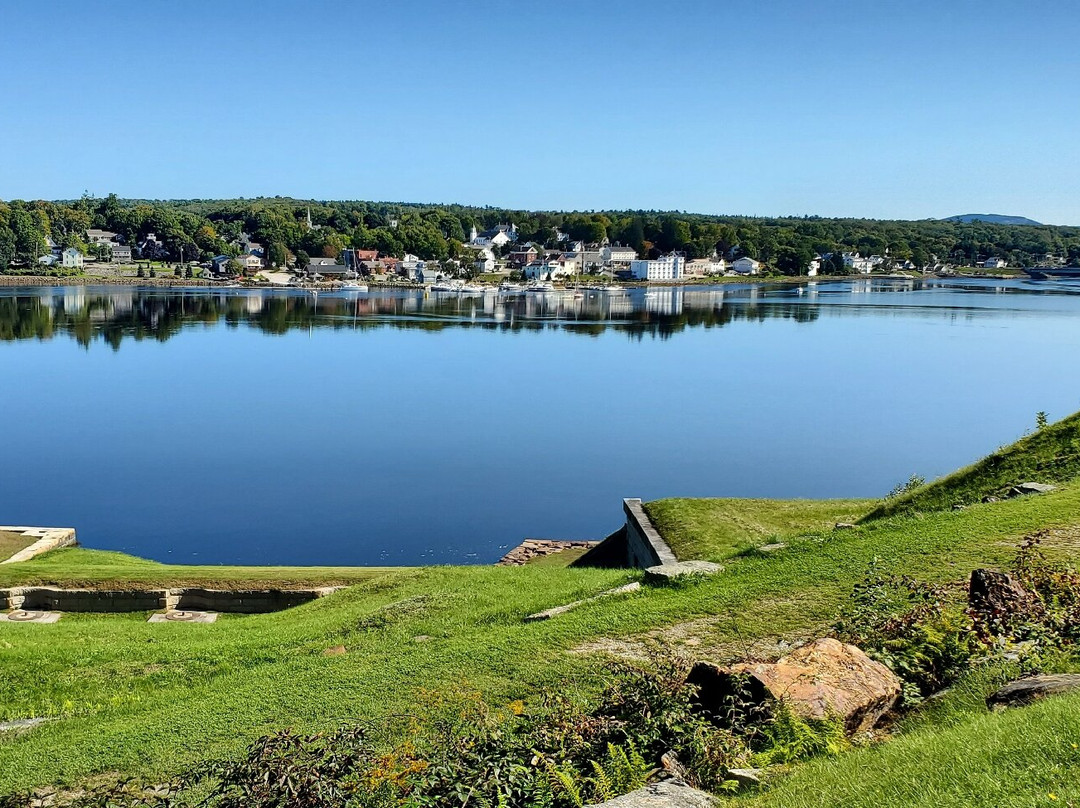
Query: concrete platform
21	616
177	616
45	539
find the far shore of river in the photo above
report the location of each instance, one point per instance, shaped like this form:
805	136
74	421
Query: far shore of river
172	281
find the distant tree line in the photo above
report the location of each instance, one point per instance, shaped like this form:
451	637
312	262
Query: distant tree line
201	229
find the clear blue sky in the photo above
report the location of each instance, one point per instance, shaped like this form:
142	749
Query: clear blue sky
874	108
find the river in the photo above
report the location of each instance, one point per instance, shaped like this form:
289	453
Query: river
282	427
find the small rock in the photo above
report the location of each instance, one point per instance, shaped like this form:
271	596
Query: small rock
421	638
959	507
665	794
843	526
772	548
1031	488
1033	688
746	778
669	573
337	650
988	500
673	766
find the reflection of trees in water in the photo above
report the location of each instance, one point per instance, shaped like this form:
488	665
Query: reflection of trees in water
161	315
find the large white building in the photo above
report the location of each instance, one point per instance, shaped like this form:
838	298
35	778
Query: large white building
665	268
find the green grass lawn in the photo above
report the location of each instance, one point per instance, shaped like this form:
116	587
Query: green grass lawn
716	529
78	567
11	543
1016	759
151	699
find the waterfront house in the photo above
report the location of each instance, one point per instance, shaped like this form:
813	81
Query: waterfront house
358	260
549	269
995	263
702	267
72	258
329	268
746	266
863	266
618	254
665	268
121	254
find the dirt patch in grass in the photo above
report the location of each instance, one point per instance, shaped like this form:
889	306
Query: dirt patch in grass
11	543
720	638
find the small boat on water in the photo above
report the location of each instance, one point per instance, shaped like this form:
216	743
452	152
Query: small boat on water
510	288
472	289
443	287
540	287
353	287
1053	273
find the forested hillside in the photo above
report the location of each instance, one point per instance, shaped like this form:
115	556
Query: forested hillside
203	228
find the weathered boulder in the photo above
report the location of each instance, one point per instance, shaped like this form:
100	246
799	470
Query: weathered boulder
997	594
664	574
843	526
1032	688
672	793
824	679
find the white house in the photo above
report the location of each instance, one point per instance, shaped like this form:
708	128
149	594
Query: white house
701	267
72	258
746	266
665	268
548	270
484	260
813	267
618	254
864	266
995	263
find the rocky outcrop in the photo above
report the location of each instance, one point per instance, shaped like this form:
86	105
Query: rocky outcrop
665	794
996	595
824	679
1033	688
537	548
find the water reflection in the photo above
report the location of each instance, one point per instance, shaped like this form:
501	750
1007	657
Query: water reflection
115	313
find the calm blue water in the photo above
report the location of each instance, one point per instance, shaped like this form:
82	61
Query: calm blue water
279	427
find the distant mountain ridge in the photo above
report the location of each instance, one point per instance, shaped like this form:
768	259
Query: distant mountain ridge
992	218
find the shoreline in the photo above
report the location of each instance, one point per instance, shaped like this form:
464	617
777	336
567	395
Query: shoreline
170	282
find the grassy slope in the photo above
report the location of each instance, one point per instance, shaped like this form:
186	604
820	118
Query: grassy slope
11	543
78	567
1051	455
150	699
1014	759
716	529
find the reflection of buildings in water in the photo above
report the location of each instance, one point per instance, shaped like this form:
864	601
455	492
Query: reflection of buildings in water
254	302
665	300
703	299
